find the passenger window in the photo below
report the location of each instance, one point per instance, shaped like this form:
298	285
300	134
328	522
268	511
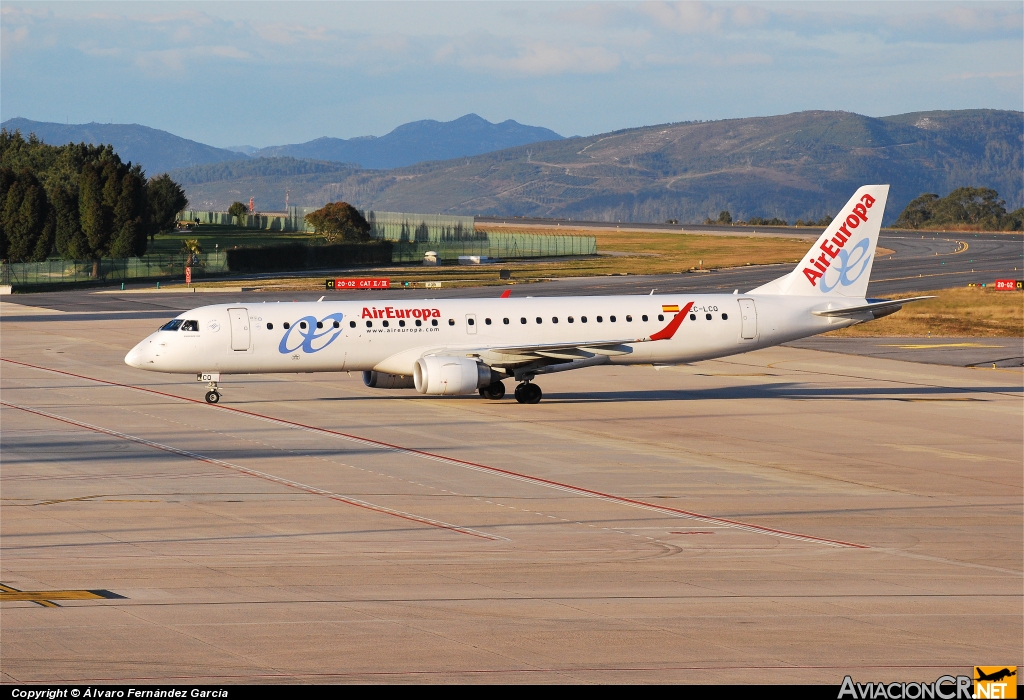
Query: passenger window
302	325
270	326
288	325
469	321
725	317
612	319
351	324
707	316
319	324
433	322
419	322
337	325
554	319
600	319
693	317
505	321
369	324
451	322
570	319
661	317
629	319
190	326
523	319
385	324
540	320
644	318
172	325
487	321
583	319
402	324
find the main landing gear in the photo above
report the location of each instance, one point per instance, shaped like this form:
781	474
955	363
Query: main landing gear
212	395
493	391
528	393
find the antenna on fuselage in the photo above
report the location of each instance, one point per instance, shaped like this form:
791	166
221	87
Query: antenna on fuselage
651	294
320	299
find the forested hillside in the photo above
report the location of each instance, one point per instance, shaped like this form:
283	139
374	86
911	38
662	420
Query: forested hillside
803	165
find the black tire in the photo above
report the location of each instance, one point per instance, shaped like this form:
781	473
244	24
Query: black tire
494	392
520	394
212	397
533	393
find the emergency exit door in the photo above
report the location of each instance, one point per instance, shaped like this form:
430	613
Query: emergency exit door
239	329
748	316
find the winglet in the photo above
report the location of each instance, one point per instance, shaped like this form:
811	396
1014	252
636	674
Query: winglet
506	294
670	330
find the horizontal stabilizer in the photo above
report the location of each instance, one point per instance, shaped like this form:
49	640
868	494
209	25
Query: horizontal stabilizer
877	307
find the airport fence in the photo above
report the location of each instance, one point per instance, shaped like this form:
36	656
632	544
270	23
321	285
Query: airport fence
500	246
385	225
51	272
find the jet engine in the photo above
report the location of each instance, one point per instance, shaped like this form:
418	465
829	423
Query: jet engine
383	380
446	375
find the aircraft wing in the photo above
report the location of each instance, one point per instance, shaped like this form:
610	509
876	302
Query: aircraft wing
876	307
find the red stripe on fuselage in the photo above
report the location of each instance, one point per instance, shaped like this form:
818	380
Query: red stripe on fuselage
670	330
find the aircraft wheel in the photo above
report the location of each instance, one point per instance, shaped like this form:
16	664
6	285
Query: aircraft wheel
528	393
533	393
494	391
520	394
212	397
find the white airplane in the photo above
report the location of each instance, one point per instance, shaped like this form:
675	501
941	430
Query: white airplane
465	346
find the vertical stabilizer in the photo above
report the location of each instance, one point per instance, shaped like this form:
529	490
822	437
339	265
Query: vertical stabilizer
839	263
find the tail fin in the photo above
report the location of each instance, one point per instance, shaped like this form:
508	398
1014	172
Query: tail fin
839	263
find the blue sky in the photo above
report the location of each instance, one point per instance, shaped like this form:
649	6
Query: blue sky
265	73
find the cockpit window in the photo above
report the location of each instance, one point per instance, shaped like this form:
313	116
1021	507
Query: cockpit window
172	325
190	326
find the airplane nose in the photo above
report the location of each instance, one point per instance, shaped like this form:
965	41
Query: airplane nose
136	357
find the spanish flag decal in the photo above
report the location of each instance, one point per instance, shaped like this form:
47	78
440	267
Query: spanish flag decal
670	308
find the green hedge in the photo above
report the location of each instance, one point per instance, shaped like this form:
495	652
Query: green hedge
298	256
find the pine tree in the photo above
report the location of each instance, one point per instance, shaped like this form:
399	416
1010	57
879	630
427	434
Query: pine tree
127	228
70	241
91	214
25	219
7	179
166	199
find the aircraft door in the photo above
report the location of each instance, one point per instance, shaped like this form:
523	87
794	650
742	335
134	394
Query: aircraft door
239	329
748	317
471	323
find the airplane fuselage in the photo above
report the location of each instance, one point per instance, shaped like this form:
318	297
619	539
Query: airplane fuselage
390	335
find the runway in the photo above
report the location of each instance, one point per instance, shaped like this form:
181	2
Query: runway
790	515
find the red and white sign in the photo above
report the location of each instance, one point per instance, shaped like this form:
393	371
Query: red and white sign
188	276
383	283
1009	285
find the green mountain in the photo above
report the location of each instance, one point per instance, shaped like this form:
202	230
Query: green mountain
803	165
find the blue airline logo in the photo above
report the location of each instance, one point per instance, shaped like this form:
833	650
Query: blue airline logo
312	337
848	267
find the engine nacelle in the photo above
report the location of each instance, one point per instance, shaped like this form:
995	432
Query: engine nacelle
446	375
383	380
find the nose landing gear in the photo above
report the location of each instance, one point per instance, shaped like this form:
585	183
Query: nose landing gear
212	395
528	393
